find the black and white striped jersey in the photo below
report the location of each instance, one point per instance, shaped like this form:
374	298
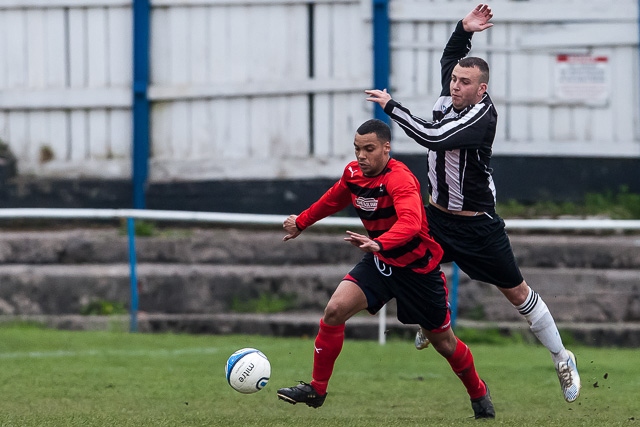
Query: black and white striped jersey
459	142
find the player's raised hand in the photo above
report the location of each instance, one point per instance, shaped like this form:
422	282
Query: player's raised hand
478	19
291	228
380	97
361	241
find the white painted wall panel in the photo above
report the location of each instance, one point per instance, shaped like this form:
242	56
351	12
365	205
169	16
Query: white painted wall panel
79	136
262	112
296	121
180	131
199	43
179	31
55	55
16	46
161	131
201	132
231	83
119	39
521	73
624	70
120	132
402	34
36	70
235	118
218	43
38	134
77	48
160	60
239	42
58	137
98	121
323	37
18	134
97	52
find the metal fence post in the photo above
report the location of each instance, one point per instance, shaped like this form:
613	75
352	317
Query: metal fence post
453	295
381	53
133	277
140	107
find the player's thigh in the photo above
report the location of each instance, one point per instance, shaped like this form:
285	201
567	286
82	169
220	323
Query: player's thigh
347	300
421	298
479	245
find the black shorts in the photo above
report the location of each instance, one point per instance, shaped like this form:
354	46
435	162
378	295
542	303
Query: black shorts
421	298
479	245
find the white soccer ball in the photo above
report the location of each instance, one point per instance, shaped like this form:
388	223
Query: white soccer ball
248	370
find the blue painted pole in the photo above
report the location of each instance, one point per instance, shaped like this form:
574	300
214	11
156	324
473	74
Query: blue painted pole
131	231
381	53
453	293
140	135
140	107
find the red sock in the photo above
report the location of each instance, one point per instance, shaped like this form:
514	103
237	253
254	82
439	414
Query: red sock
461	362
327	348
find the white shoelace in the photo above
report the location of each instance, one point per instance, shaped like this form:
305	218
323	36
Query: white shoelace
564	372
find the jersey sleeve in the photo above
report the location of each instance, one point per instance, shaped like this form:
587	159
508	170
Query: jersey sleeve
407	201
457	47
332	201
466	131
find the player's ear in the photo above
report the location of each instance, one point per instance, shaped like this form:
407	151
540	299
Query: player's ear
482	89
386	147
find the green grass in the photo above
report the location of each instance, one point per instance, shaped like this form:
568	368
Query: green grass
62	378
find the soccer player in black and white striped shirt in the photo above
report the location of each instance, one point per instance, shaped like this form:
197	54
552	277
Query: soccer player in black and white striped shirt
461	211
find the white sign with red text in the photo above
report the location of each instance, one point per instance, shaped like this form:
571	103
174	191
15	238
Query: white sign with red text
582	78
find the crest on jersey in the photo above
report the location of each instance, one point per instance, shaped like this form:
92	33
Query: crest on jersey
368	204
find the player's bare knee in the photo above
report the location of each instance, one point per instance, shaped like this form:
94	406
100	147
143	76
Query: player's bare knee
444	343
334	313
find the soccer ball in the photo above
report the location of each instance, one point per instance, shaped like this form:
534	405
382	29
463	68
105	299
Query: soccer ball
248	370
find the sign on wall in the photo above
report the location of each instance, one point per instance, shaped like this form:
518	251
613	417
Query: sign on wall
582	78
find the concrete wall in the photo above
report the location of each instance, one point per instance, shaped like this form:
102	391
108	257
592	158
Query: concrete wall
582	278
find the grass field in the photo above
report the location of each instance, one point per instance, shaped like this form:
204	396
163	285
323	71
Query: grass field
61	378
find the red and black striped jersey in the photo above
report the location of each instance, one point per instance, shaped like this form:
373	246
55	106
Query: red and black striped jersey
391	209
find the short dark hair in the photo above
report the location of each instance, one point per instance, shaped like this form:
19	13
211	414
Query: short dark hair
380	128
479	63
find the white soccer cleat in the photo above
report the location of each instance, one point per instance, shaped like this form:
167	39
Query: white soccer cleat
421	341
569	378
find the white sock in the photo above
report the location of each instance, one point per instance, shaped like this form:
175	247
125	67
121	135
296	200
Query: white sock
543	326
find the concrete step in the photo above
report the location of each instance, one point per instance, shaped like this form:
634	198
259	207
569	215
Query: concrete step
165	288
186	246
572	295
265	247
578	295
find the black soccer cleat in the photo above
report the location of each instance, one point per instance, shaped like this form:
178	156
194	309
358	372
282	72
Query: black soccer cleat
483	406
302	393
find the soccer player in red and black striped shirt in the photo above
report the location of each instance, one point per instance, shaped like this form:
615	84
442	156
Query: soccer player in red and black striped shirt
401	261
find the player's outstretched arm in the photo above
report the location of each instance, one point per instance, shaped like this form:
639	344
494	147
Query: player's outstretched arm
291	228
478	19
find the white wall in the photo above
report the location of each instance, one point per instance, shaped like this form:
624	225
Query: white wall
522	50
232	90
